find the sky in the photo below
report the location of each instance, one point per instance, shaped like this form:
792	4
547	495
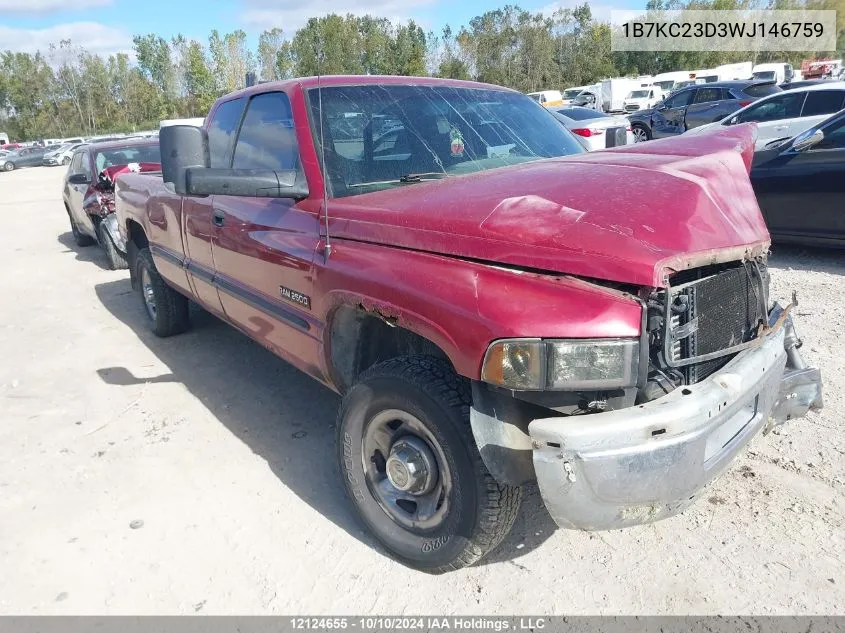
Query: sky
107	26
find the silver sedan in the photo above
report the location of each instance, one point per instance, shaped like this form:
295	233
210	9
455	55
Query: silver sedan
589	126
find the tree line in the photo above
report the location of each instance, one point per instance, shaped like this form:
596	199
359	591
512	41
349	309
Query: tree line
69	91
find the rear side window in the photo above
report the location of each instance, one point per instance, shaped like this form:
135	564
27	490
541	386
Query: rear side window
267	139
786	106
221	132
823	102
706	95
761	90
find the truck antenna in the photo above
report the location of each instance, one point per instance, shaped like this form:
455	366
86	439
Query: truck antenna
327	250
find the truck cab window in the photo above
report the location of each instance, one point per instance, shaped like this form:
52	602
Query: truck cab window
221	132
267	139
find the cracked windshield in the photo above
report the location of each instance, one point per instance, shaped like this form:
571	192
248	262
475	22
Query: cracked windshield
378	137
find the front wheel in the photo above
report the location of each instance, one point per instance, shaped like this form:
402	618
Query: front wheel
412	469
78	236
641	133
66	160
166	309
117	260
9	166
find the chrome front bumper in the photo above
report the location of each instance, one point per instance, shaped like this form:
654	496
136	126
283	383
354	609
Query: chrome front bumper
638	465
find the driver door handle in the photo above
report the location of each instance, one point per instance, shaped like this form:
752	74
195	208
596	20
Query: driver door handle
219	216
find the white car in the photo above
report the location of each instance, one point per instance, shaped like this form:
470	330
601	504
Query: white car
63	157
590	126
785	114
642	99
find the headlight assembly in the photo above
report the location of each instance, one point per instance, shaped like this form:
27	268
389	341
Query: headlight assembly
562	365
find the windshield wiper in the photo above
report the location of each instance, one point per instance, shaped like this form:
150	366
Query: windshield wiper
432	175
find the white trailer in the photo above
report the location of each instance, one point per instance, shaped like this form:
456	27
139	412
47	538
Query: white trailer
614	92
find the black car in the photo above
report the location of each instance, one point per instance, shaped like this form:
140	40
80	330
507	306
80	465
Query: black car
800	185
696	105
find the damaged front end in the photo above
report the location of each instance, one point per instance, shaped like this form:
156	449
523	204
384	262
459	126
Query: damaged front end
717	366
721	369
99	204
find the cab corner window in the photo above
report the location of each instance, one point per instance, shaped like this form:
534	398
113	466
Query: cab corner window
267	139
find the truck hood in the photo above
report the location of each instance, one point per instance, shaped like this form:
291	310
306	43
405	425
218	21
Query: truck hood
632	215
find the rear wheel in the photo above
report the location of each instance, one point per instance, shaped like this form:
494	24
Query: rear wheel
166	309
641	133
412	469
117	260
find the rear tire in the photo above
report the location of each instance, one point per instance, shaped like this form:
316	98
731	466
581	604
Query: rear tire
641	133
80	238
117	260
421	400
166	309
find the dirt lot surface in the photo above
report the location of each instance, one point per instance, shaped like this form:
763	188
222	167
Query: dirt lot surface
223	455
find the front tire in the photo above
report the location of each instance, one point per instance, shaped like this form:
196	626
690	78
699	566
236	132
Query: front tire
80	238
166	309
412	470
117	260
9	166
66	160
641	133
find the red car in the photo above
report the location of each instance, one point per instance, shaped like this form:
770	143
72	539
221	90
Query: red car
88	190
495	305
10	146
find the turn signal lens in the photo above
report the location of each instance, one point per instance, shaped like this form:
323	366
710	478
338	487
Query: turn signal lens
516	364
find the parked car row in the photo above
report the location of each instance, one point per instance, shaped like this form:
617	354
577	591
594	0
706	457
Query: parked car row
779	114
495	304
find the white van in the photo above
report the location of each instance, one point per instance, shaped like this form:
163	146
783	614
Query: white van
643	98
779	73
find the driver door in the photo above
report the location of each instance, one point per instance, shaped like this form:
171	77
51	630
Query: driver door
668	117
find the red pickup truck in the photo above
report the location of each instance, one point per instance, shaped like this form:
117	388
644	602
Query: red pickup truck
495	305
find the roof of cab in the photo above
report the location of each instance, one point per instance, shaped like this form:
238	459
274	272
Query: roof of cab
326	81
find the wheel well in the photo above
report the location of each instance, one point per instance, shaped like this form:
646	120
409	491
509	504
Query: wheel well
359	339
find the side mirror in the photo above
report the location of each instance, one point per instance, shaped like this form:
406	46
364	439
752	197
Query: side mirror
182	147
78	179
803	144
185	164
253	183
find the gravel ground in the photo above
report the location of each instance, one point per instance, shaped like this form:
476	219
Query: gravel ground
196	474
